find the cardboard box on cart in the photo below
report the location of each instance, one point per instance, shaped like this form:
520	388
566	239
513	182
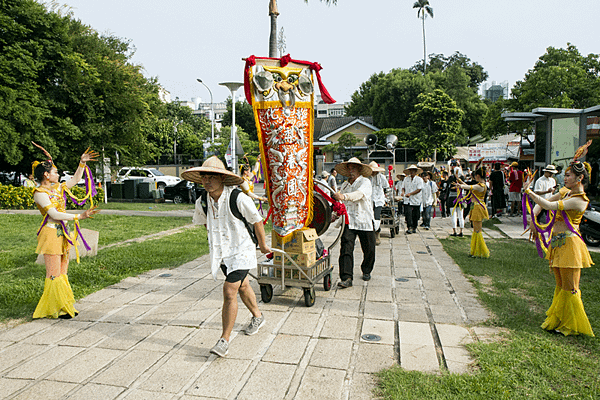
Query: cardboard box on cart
302	241
303	260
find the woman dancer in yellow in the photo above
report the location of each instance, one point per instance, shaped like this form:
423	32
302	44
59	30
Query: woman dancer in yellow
53	240
567	252
478	213
248	184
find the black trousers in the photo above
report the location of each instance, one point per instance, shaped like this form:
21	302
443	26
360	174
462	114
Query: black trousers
346	260
412	216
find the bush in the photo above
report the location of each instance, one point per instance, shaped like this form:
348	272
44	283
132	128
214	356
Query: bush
21	198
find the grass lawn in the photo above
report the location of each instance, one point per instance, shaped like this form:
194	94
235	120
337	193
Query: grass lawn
22	280
167	206
528	362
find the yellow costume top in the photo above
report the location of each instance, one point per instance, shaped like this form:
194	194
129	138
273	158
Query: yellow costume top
250	183
574	215
479	211
56	195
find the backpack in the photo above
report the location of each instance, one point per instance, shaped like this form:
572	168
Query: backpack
234	210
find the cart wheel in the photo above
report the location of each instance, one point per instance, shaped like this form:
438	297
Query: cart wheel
266	293
397	230
393	233
327	282
309	297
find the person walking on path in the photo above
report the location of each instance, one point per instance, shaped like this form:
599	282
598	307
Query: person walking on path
444	189
356	193
331	180
515	177
413	185
458	219
546	185
398	192
379	186
231	247
429	198
497	185
478	213
54	241
567	252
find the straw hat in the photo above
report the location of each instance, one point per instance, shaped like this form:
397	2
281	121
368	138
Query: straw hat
365	170
215	166
514	164
413	166
550	168
375	167
401	175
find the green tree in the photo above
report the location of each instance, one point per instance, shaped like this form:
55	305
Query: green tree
423	9
395	96
221	144
493	123
441	63
361	101
244	117
342	148
560	78
435	125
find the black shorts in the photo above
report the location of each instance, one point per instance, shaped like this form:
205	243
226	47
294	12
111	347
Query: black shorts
236	276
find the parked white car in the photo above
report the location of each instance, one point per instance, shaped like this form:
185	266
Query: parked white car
151	175
66	175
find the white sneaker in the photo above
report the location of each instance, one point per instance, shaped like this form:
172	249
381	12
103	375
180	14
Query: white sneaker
255	324
221	348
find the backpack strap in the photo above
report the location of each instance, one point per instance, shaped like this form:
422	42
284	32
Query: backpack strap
236	213
204	201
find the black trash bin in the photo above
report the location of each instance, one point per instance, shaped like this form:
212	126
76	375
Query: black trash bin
117	191
130	189
143	190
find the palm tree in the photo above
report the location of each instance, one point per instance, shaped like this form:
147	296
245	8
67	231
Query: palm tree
273	13
423	8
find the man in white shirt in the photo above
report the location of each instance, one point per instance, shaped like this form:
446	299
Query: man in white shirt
356	193
411	191
379	186
331	181
398	191
546	185
231	247
429	195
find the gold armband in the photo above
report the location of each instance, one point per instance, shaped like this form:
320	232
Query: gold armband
82	164
527	191
76	218
561	205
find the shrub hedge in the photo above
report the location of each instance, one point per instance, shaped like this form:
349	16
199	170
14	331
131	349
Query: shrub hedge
21	198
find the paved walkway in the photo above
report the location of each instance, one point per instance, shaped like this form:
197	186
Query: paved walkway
148	337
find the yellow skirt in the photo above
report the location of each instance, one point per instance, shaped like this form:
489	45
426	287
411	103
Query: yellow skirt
478	213
52	240
571	253
567	315
56	300
478	246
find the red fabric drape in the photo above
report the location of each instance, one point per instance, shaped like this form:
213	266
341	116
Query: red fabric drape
337	206
283	61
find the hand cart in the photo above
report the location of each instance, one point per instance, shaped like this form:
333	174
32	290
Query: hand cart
288	273
390	218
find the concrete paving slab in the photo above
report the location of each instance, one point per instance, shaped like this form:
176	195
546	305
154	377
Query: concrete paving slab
458	359
10	386
362	387
412	313
415	333
269	381
92	335
378	310
321	383
46	390
419	357
379	293
166	339
446	314
351	293
94	391
138	394
43	363
57	332
22	331
286	349
300	324
86	364
174	374
18	352
127	369
348	308
201	343
97	311
194	318
372	358
103	295
219	379
384	329
128	336
127	314
339	327
453	335
332	353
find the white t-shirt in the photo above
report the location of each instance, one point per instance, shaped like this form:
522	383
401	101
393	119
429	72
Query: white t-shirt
543	184
379	184
429	188
359	204
228	239
410	185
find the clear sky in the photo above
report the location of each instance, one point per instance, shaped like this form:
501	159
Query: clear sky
178	41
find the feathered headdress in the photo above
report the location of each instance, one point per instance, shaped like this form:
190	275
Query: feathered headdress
580	153
48	158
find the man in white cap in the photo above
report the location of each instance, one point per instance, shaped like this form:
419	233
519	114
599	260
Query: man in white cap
546	185
356	194
411	191
379	186
231	247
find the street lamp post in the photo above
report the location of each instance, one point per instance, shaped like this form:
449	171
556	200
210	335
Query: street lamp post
233	87
175	125
212	112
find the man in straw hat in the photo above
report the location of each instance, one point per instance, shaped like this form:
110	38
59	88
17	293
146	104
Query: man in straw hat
411	191
356	194
546	185
398	191
231	247
379	186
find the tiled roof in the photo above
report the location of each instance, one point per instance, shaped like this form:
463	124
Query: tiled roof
323	126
